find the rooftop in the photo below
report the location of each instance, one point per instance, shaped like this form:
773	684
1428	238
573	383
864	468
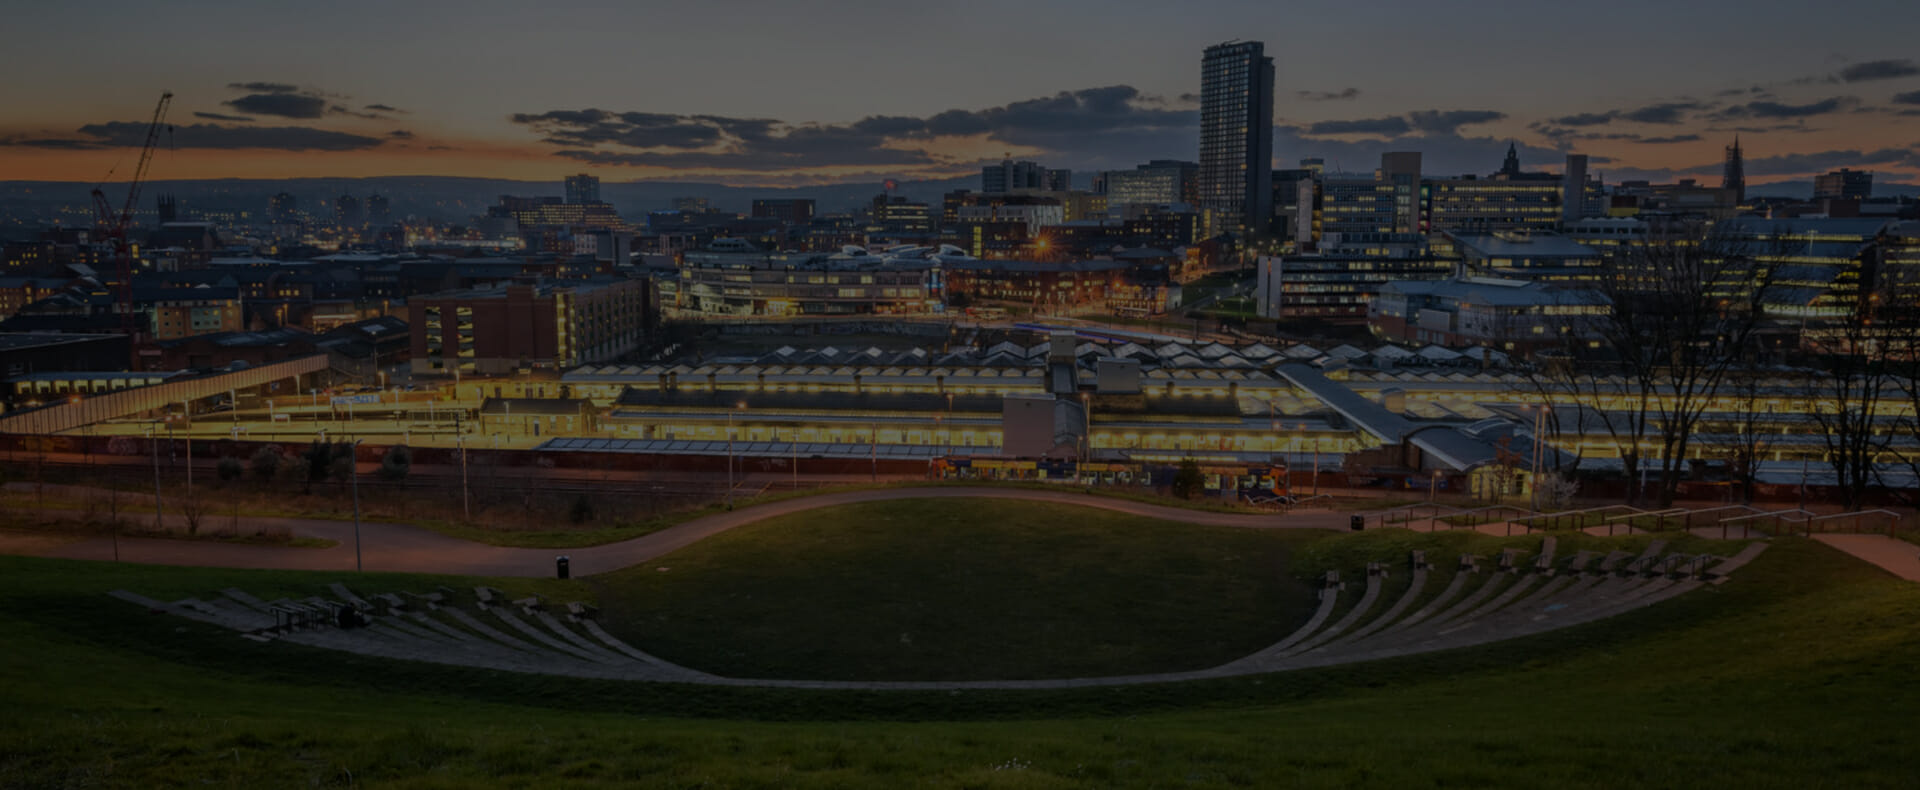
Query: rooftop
1513	245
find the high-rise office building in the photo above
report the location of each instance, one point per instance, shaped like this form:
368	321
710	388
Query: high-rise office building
1400	172
1573	187
346	211
1057	181
379	211
1009	176
283	209
1843	183
583	188
1155	183
790	211
1236	134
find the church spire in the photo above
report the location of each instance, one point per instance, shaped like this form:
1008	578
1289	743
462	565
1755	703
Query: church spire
1733	176
1511	167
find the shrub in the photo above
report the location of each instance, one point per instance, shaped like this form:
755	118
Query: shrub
266	462
581	511
396	464
319	458
1187	481
294	470
229	469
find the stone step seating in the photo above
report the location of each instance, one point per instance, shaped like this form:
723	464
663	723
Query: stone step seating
519	636
1489	599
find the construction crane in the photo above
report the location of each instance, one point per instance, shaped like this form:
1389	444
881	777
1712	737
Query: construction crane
111	227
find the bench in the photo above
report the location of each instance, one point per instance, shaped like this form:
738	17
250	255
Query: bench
1419	561
581	611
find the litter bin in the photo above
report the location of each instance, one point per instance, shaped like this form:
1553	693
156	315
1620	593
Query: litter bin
560	568
1356	523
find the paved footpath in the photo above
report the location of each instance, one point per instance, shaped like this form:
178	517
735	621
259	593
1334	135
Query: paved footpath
410	549
1898	557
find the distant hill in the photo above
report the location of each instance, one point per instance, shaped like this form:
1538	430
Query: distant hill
444	198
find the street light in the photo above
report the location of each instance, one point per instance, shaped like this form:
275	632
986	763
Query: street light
460	441
740	405
1533	472
353	471
153	445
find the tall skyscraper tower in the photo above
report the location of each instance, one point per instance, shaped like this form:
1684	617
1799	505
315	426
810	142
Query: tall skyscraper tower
1236	134
1734	175
583	188
283	209
379	210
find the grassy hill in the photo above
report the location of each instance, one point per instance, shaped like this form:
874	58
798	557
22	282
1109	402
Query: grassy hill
1800	672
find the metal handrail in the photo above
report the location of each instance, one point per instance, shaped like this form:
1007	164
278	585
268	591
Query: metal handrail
1304	500
1381	515
1805	517
1893	518
1529	521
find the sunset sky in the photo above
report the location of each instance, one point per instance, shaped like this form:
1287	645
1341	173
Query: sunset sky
792	93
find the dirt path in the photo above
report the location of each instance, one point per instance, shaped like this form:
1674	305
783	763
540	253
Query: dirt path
410	549
1898	557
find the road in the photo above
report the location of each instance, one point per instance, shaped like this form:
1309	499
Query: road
410	549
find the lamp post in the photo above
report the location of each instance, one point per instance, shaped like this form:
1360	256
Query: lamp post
186	413
1533	480
353	467
740	405
1086	425
86	447
153	445
466	498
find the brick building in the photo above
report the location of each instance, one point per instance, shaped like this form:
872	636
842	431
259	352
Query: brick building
528	325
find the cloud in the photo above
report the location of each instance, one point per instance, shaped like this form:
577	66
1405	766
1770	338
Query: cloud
1116	115
1773	110
283	100
1910	97
283	105
1664	113
1583	119
263	87
1878	70
133	134
54	143
214	116
1392	125
1677	138
1339	95
400	134
1450	121
342	110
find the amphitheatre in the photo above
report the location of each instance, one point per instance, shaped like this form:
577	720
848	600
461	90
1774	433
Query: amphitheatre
978	634
1512	594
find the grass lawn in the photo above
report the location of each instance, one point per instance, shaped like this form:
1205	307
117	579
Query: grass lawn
1799	673
960	590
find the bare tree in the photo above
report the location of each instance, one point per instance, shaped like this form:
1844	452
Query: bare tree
1750	429
1853	385
193	509
1684	316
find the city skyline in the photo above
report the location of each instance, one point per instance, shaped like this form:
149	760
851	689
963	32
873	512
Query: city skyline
800	96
